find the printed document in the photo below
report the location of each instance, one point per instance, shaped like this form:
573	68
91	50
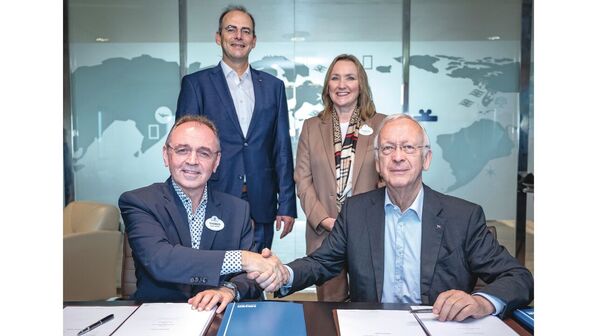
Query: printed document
157	319
486	326
357	322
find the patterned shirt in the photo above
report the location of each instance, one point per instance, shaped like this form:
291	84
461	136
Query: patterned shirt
232	259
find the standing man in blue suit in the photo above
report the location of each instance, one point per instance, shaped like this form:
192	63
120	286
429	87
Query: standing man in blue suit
249	109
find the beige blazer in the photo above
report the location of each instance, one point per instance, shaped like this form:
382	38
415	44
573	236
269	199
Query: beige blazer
315	173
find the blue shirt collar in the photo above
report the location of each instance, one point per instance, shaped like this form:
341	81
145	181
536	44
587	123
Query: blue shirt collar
416	206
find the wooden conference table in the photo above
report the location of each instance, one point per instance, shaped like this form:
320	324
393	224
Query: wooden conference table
318	315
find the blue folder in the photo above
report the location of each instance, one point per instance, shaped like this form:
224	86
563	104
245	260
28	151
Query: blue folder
263	318
526	317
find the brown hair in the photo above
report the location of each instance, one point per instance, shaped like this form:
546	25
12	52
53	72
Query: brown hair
233	8
364	101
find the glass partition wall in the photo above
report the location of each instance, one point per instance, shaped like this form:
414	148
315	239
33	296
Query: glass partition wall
464	64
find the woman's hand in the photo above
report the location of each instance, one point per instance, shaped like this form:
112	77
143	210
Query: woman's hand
328	223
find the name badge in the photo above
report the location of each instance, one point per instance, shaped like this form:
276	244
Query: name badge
214	223
365	130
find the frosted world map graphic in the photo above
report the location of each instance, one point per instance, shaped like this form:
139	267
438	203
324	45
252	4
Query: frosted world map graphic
142	91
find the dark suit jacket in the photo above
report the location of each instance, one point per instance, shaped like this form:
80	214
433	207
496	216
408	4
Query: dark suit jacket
166	266
456	248
264	156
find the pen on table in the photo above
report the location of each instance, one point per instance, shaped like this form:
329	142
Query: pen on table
422	310
96	324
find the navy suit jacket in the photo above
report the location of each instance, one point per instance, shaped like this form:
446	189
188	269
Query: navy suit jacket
456	249
166	266
264	155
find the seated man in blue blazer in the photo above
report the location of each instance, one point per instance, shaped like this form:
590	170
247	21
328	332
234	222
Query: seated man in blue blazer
407	243
190	242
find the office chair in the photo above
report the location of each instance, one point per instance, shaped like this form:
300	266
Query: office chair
129	279
91	251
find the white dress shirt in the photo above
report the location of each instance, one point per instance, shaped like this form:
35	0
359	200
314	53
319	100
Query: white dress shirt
243	95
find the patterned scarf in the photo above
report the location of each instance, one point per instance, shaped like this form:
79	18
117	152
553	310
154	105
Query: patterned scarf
344	152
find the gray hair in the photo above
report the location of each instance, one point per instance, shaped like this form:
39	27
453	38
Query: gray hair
399	116
200	119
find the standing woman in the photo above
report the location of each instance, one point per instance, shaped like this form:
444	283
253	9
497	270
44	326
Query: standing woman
335	157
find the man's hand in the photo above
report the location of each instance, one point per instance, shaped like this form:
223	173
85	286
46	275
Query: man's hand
328	224
269	284
265	268
288	224
456	305
207	299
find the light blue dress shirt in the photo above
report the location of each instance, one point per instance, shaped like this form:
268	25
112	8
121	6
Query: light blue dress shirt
402	252
243	95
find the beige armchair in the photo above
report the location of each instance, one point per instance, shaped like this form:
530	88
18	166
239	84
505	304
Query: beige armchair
92	249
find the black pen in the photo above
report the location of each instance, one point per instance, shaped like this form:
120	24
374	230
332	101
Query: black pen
96	324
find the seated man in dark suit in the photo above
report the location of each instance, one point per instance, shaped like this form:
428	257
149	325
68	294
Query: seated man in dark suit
407	243
190	242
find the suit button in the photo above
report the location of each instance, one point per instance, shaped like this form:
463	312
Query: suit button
246	144
240	177
203	280
192	279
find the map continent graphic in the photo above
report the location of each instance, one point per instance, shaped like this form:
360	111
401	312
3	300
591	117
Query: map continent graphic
143	89
470	149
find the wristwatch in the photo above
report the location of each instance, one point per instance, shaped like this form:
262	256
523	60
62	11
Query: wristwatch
232	286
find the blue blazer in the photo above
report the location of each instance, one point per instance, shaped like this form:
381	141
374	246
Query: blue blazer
166	266
264	156
456	249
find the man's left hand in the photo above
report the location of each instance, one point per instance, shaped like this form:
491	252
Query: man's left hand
207	299
288	224
456	305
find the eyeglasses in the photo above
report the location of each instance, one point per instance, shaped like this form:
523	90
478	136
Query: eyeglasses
232	30
391	148
185	151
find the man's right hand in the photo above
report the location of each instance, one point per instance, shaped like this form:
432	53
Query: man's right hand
265	268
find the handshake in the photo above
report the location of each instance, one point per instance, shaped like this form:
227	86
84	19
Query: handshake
266	269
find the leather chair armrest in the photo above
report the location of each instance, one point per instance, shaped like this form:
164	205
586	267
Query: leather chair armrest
90	265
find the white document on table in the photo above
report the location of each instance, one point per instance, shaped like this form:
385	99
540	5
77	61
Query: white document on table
486	326
156	319
357	322
77	318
